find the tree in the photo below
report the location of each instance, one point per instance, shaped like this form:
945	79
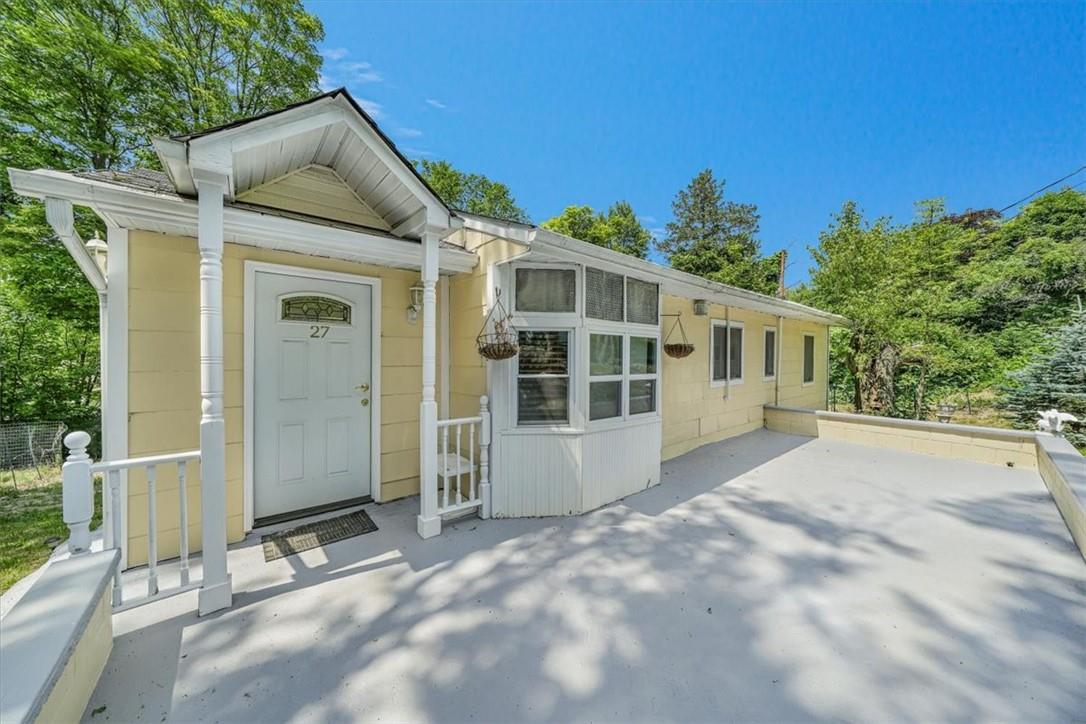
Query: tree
619	229
717	239
1056	379
471	192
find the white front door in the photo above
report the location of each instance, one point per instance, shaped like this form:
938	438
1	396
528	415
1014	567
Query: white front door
311	392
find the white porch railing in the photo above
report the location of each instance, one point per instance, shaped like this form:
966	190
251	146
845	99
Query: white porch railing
463	481
78	494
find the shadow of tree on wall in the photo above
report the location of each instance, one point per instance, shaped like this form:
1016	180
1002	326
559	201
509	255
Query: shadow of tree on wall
776	597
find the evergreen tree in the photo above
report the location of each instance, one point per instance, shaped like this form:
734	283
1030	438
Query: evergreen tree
1055	380
717	239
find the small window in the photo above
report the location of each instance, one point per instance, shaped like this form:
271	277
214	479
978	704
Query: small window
808	359
605	376
603	293
769	368
322	310
543	378
642	375
727	352
546	290
642	302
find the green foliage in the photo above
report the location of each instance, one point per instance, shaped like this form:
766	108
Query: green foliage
85	85
947	303
1056	379
619	229
717	239
471	192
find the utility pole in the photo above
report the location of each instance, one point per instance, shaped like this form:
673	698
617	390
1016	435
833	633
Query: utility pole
780	274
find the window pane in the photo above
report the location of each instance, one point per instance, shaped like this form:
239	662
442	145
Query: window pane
542	400
735	353
720	352
603	295
546	290
808	359
642	299
544	353
642	396
642	355
315	309
605	354
770	353
604	400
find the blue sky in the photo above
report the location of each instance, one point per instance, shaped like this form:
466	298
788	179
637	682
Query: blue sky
798	106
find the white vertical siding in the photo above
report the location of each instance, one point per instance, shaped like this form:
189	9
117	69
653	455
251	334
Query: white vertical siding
618	462
539	475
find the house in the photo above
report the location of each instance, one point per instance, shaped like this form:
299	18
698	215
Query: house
291	310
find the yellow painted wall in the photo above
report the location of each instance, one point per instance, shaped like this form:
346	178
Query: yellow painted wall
696	413
467	304
79	677
164	380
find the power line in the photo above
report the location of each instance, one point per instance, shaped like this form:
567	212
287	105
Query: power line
1045	188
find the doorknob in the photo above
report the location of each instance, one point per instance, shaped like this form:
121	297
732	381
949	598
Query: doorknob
365	402
363	387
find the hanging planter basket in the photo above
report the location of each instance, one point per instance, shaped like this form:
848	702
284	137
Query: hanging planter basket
682	346
501	341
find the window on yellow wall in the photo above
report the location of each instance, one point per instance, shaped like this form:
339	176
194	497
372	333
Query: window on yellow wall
808	358
726	352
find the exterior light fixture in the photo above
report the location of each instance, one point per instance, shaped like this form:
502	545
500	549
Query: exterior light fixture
416	303
701	307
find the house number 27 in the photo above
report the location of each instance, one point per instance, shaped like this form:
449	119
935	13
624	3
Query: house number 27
318	331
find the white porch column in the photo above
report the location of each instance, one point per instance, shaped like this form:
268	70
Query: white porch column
429	522
215	591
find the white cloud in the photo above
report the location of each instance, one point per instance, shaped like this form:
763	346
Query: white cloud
357	72
436	103
325	83
416	151
335	53
375	109
647	219
408	132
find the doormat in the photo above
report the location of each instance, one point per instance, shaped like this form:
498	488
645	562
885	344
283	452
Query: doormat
316	534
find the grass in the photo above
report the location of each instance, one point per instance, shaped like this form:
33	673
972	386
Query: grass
31	520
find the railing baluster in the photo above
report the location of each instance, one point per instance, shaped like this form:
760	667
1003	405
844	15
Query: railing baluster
152	533
445	466
484	456
459	472
471	461
113	485
183	502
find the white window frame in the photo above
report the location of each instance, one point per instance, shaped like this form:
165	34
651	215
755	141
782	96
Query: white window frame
803	360
767	348
571	380
728	379
626	331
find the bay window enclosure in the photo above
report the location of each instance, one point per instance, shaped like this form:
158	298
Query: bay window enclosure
808	359
543	378
769	354
726	363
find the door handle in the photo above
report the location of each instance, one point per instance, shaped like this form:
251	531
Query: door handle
365	402
363	387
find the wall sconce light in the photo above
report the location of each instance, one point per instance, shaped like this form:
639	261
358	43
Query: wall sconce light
416	303
701	307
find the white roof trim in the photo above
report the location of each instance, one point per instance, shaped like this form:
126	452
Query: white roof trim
546	243
59	214
244	226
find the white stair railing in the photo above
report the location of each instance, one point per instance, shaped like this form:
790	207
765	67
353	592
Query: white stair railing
463	479
78	493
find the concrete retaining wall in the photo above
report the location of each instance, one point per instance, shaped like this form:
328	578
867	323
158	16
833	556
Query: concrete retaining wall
1064	471
1016	448
55	641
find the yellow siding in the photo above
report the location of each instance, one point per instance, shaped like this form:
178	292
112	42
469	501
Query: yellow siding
164	381
696	413
467	304
316	191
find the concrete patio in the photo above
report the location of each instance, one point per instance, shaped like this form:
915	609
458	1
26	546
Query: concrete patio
770	577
